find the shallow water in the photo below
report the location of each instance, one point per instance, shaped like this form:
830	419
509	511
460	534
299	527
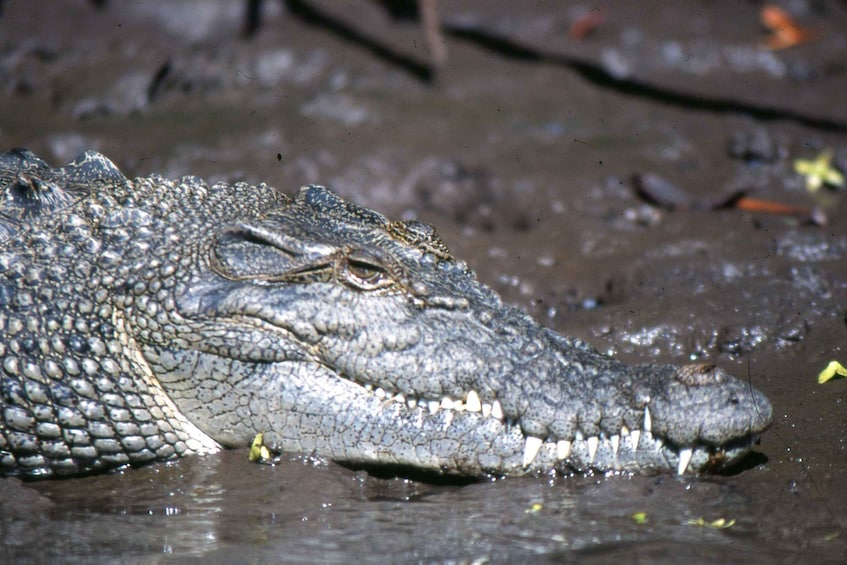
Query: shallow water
227	509
524	165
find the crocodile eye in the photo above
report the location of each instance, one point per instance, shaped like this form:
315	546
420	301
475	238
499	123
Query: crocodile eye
366	271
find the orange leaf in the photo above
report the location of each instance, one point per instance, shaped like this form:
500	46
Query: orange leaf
585	24
784	30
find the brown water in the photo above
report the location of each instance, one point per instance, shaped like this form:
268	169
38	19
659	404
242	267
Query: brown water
522	155
226	509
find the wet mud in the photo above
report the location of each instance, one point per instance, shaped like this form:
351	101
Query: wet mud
529	151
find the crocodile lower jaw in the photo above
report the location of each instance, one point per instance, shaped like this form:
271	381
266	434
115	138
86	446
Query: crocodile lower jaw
627	452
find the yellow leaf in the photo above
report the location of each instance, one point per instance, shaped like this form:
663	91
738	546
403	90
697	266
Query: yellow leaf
639	518
719	524
255	454
819	172
834	368
261	453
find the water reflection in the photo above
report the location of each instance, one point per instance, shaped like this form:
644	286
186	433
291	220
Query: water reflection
226	509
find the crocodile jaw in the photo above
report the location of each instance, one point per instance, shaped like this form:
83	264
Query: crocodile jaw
370	426
513	400
512	452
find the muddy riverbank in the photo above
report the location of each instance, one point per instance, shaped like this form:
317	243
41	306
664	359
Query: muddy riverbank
522	151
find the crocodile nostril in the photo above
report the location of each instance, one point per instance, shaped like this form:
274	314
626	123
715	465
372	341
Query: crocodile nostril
699	374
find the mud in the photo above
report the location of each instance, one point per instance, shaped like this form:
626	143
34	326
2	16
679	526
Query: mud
522	151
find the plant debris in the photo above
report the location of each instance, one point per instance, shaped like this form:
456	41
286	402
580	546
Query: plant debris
812	215
586	23
834	370
784	31
260	453
819	172
719	524
662	193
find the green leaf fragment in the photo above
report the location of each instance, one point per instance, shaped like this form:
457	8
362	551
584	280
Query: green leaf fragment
639	518
819	172
259	452
719	524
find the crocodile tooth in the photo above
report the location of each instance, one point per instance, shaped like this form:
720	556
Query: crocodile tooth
368	387
472	403
399	397
497	410
379	392
616	442
411	403
648	421
458	406
533	444
684	459
624	430
593	442
486	409
563	449
634	436
446	403
448	418
434	406
578	436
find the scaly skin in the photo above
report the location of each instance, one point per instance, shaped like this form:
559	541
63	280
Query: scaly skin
148	319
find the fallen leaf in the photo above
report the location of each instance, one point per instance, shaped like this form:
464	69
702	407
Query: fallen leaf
662	193
784	30
259	452
585	24
719	524
815	216
832	371
819	172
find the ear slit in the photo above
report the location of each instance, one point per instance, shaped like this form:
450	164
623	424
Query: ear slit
247	252
259	236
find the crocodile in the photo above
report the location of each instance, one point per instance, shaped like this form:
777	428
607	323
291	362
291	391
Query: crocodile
148	319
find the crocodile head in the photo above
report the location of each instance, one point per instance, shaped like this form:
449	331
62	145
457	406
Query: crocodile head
338	332
150	318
